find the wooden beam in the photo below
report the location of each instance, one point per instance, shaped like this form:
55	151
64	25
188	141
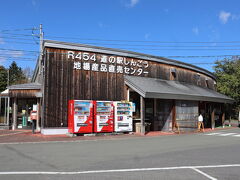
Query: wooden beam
142	104
14	125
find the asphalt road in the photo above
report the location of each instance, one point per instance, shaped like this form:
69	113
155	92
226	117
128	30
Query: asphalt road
192	156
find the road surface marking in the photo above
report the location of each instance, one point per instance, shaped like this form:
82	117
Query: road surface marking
113	170
238	135
211	134
205	174
226	134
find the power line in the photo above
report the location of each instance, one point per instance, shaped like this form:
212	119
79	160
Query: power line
198	56
6	30
18	58
214	56
137	45
182	49
117	40
18	42
17	50
147	45
15	37
27	35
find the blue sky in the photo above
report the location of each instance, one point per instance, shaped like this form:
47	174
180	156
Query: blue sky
140	25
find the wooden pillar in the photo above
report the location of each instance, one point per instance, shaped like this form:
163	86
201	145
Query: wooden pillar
142	104
14	124
38	115
5	111
174	121
155	114
0	104
223	118
128	94
213	117
8	111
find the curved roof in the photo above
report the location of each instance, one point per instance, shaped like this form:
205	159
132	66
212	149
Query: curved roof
119	52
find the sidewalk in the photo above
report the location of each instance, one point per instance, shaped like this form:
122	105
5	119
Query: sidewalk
21	136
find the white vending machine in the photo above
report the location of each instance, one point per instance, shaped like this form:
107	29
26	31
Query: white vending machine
123	121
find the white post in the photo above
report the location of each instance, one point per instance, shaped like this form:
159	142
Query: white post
142	115
5	110
38	115
14	125
8	111
128	94
239	117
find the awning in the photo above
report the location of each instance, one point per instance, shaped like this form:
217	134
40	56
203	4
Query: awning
25	86
4	93
27	90
164	89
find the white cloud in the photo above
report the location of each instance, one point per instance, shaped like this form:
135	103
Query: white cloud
5	55
166	10
2	60
235	17
214	34
224	16
100	24
34	3
147	35
16	54
2	41
195	30
132	3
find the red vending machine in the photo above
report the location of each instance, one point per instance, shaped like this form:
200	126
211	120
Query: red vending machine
80	116
104	114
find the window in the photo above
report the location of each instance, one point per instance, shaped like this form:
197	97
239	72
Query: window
198	77
215	85
173	74
207	82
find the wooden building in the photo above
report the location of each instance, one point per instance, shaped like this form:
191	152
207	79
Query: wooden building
167	93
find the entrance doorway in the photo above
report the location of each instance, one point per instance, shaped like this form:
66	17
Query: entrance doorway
4	110
25	106
163	120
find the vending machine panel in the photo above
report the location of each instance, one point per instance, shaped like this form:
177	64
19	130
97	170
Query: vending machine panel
103	112
80	118
123	116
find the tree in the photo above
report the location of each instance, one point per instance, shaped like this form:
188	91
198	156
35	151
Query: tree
28	73
3	78
16	75
227	72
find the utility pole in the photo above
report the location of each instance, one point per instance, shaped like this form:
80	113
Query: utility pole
8	77
40	70
41	65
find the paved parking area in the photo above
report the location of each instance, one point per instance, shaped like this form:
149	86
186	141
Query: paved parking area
214	172
18	136
185	156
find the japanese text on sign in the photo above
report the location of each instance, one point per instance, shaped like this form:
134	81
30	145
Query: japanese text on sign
103	63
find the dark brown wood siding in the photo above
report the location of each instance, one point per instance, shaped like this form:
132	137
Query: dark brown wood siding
62	82
25	93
